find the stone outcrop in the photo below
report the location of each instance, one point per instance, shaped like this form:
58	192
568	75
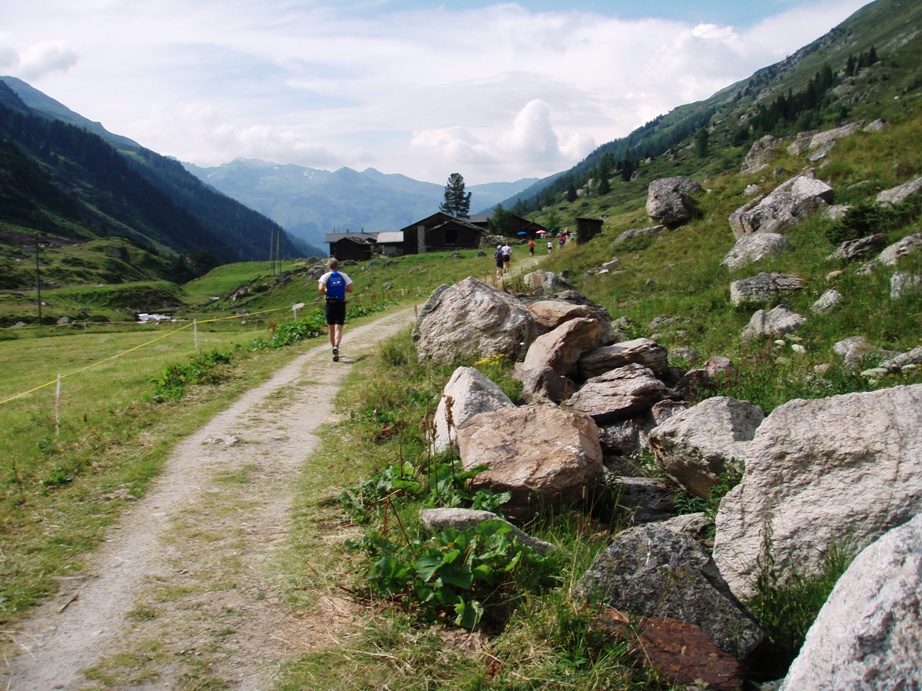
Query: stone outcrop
862	248
902	283
472	317
764	288
619	394
911	244
827	302
866	636
467	393
669	200
753	248
895	195
836	471
772	323
856	349
760	154
549	314
542	454
636	233
821	141
696	445
789	204
650	571
559	349
545	282
642	351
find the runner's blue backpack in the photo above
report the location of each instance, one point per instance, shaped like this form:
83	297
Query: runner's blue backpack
336	286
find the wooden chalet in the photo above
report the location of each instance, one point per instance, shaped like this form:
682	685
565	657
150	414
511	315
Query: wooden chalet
356	246
441	232
521	227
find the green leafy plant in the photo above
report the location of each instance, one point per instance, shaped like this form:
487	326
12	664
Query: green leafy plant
453	572
204	368
786	603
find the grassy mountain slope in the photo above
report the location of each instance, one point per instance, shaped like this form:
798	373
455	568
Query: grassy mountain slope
890	26
69	180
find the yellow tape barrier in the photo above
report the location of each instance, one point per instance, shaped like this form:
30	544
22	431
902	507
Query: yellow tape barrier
138	347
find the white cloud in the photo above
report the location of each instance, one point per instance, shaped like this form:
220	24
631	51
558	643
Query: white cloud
44	57
499	92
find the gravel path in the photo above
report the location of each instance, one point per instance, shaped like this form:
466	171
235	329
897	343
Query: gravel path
184	591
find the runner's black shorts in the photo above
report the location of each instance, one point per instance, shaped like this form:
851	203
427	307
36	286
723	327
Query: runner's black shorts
336	311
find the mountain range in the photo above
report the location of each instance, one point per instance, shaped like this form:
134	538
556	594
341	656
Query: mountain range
309	203
65	178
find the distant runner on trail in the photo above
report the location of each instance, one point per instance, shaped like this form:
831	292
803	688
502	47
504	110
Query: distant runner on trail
334	285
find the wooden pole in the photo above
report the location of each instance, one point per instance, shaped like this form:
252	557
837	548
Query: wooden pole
57	408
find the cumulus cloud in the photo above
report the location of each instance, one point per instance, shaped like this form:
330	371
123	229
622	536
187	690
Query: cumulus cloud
494	92
45	57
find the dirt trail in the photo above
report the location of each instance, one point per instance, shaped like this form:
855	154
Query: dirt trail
183	590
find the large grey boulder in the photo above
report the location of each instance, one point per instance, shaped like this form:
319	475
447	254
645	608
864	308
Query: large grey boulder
636	233
891	255
695	446
900	193
669	200
911	244
902	283
850	250
467	393
868	635
837	471
760	154
824	140
549	314
651	571
544	282
772	323
561	348
898	361
789	204
855	349
827	302
764	288
472	318
642	351
542	454
753	248
619	394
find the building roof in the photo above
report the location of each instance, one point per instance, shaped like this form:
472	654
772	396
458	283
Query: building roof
440	218
358	238
390	237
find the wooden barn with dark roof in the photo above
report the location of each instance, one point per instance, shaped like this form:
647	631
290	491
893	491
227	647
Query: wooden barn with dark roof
441	232
356	246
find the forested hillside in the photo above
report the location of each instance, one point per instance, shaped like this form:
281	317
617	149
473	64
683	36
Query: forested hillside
64	183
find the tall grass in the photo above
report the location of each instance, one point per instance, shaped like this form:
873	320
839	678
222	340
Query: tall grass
66	473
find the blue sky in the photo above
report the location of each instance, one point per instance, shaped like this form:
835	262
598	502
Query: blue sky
496	91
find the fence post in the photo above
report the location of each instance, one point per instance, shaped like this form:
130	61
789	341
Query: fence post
195	332
57	408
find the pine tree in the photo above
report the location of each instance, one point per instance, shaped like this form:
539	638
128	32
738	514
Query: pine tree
457	202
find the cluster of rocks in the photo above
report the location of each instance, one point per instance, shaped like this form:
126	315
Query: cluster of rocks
841	472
